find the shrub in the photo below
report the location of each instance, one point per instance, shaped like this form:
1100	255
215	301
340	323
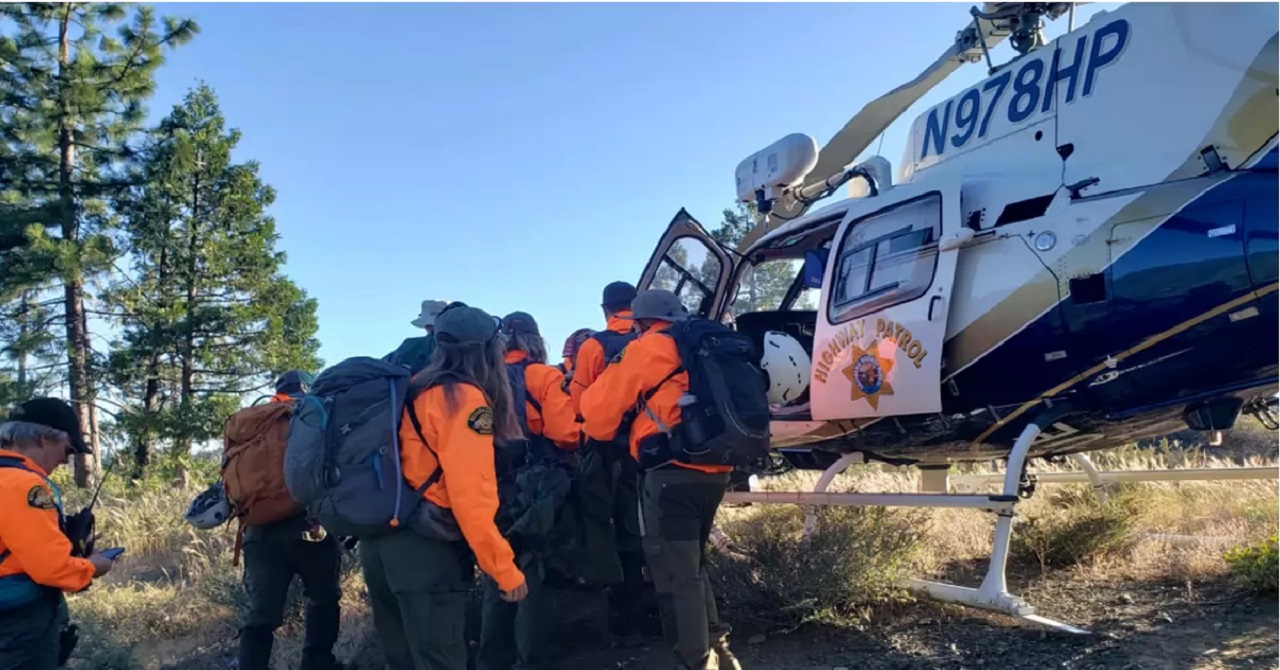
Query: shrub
850	563
1075	528
1256	565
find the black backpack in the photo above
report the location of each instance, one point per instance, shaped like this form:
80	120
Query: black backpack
724	419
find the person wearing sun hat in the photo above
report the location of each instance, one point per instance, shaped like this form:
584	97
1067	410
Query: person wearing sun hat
415	352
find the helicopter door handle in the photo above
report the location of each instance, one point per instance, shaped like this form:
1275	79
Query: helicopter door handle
933	301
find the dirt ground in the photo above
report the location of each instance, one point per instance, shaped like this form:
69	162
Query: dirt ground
1135	625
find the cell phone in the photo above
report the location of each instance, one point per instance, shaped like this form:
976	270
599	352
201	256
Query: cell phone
113	553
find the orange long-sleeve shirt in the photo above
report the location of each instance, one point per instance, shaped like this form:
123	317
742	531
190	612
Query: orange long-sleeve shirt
590	362
646	362
29	531
468	486
557	421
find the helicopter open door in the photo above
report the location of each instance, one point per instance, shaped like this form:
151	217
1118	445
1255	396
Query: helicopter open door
882	319
691	264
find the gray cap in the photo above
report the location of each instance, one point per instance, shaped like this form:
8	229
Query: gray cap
657	304
464	326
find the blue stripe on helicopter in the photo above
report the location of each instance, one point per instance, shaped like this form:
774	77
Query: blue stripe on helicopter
1161	281
1027	92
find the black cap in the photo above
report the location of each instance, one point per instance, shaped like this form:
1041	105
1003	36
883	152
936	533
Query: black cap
294	380
54	413
464	326
618	295
519	323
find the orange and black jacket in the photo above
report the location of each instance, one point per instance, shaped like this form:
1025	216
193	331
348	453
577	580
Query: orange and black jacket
282	397
469	486
31	539
645	364
548	409
590	362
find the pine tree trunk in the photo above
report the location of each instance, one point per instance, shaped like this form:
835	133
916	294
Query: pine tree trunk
189	345
24	330
142	448
73	286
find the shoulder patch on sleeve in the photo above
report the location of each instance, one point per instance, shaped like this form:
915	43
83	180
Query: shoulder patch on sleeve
39	497
481	421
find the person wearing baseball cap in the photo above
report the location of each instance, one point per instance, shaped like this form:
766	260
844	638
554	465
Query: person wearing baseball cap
36	565
457	407
292	385
679	500
626	600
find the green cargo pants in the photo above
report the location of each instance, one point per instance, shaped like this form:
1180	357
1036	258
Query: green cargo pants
516	636
678	507
29	635
418	589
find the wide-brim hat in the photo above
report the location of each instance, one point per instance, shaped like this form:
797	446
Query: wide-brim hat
430	310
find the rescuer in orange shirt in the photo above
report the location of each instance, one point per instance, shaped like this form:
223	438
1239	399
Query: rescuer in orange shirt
518	636
36	565
418	583
626	607
548	408
678	501
601	347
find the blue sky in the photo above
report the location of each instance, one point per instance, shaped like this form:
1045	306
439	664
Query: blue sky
521	156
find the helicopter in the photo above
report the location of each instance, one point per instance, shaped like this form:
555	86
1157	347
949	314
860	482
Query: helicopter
1077	252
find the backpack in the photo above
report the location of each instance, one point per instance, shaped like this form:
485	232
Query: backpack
613	343
724	417
343	455
254	440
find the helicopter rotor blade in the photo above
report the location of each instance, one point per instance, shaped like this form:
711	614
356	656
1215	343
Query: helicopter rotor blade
861	130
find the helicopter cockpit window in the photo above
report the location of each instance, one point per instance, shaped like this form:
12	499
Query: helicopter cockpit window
690	271
887	258
768	285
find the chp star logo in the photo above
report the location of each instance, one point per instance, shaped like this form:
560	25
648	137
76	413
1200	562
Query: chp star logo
869	373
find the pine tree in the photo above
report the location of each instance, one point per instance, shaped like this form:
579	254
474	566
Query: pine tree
762	286
74	98
207	316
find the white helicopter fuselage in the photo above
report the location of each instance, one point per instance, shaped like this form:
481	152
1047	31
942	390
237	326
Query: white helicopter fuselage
1077	226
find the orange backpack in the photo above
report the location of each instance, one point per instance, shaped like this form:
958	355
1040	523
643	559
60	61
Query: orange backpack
254	441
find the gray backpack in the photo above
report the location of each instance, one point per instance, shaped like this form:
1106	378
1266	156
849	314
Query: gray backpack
343	456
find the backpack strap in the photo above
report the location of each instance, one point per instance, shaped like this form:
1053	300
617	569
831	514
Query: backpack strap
417	428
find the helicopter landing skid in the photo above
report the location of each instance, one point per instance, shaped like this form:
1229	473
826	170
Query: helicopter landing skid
993	593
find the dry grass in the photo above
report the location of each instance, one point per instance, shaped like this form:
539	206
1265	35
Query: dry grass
174	600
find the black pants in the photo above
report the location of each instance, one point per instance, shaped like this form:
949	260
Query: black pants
626	600
679	507
272	556
29	634
516	636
